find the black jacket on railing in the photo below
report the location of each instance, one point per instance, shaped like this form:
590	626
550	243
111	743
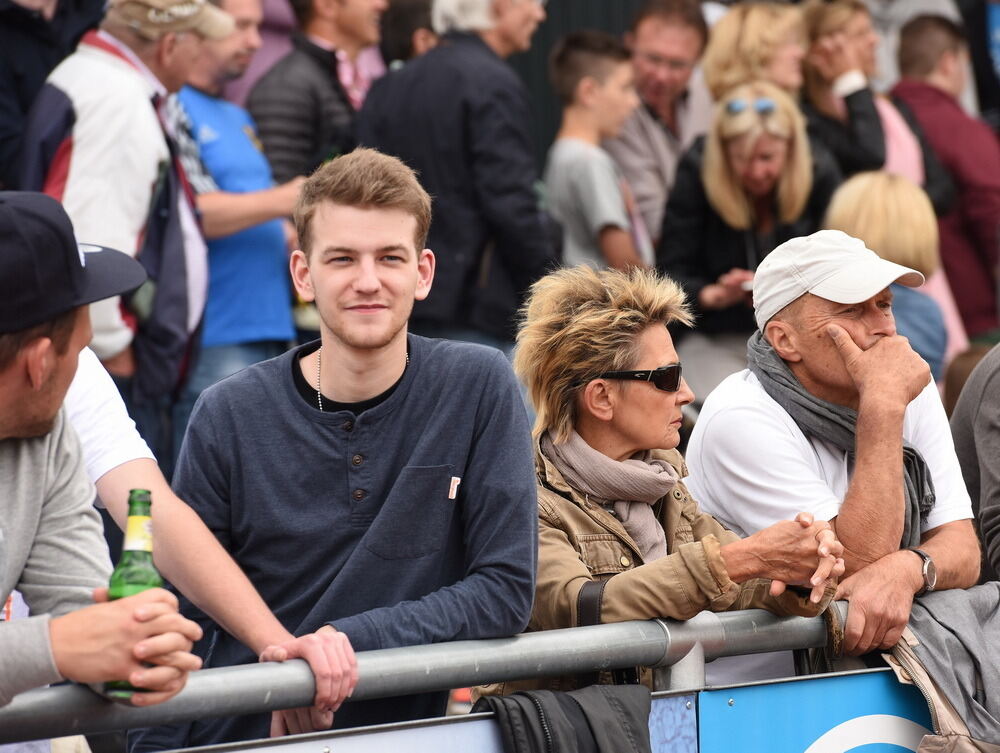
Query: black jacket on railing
697	246
858	144
459	115
303	115
595	719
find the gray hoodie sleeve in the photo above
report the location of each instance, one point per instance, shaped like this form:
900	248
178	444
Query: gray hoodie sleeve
27	653
68	557
52	549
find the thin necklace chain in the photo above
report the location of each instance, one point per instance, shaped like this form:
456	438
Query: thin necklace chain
319	366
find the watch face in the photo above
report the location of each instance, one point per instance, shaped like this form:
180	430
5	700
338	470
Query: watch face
930	574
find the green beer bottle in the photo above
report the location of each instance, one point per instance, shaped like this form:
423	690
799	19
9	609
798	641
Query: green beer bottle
135	571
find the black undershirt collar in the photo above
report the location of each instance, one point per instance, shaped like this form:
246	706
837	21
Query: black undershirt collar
308	391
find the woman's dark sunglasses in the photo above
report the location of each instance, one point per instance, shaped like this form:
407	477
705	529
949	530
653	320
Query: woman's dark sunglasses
666	378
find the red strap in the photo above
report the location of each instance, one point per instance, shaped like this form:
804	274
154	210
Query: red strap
58	173
94	39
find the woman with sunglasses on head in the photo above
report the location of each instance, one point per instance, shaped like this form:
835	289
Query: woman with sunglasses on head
864	131
751	184
768	41
619	536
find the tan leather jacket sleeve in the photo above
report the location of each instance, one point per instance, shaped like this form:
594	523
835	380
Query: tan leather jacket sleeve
678	586
690	579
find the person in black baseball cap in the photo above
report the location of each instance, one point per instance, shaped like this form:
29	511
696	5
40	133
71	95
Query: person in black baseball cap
46	280
44	271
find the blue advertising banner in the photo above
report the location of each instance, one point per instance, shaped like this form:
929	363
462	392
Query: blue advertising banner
868	713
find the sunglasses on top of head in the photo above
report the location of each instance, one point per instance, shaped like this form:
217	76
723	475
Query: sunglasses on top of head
666	378
760	105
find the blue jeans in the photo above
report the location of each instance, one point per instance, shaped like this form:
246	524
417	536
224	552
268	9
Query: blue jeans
214	364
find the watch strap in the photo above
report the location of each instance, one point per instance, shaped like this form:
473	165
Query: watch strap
924	569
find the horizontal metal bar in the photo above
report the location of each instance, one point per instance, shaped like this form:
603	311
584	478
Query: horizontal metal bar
252	688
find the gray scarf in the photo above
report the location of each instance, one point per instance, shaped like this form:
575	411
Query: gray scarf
836	424
633	486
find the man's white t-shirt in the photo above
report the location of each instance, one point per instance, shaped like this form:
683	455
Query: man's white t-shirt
98	415
751	466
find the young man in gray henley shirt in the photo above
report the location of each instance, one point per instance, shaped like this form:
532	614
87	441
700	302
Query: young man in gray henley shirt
372	482
52	547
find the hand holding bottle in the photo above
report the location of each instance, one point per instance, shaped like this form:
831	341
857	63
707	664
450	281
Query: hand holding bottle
115	641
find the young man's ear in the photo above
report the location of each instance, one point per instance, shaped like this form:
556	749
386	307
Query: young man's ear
782	337
298	266
425	274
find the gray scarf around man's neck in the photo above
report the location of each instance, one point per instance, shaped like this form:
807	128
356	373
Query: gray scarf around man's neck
838	425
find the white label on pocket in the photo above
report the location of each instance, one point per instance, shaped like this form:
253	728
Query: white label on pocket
453	490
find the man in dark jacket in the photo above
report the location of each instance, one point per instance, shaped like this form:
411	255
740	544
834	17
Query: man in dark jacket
459	116
932	60
34	39
303	108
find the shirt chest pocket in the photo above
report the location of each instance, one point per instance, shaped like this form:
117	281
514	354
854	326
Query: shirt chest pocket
417	516
604	554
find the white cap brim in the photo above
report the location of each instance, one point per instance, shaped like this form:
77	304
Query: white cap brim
863	279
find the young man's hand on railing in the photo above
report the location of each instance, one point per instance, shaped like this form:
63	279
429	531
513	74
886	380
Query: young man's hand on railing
335	667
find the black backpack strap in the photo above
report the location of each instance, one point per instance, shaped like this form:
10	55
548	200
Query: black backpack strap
588	603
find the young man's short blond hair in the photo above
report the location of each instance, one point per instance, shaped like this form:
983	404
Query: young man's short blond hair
722	186
366	179
745	40
892	215
579	322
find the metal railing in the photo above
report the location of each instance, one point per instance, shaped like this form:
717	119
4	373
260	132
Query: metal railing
679	649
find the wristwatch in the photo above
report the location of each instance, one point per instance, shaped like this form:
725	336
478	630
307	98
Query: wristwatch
929	571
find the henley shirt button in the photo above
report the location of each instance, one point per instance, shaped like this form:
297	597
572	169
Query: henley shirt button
625	561
678	494
348	426
358	494
357	460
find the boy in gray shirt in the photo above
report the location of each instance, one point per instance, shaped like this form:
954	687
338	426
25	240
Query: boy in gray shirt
592	75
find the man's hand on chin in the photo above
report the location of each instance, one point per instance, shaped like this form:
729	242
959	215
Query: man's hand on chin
880	597
335	667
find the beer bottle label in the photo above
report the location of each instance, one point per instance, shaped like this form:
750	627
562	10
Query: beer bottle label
138	534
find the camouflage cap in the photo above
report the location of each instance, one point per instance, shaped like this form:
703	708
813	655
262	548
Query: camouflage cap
154	18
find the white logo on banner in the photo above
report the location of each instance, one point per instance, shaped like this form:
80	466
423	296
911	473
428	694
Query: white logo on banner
867	730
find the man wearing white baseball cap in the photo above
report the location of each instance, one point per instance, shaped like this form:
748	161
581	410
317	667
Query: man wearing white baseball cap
837	415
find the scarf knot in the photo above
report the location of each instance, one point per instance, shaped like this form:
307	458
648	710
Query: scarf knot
631	486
